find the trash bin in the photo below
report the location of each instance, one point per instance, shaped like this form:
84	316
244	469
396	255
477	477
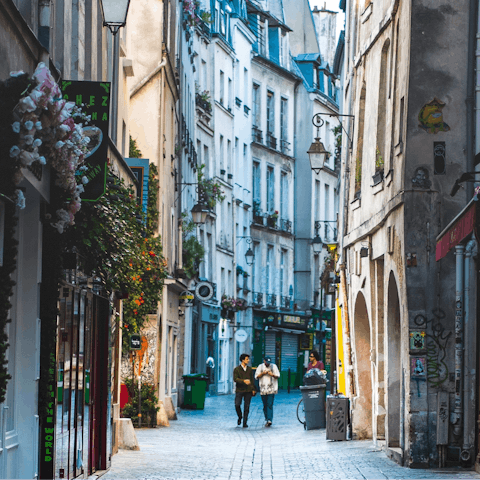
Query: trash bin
195	388
314	406
337	417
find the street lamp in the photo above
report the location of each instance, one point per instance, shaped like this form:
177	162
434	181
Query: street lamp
249	257
317	153
199	213
317	243
250	254
114	14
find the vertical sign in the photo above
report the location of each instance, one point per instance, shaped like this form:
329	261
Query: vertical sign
47	426
94	100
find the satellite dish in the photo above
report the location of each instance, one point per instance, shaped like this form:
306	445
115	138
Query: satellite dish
204	291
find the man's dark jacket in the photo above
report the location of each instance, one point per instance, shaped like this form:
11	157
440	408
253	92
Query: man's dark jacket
239	375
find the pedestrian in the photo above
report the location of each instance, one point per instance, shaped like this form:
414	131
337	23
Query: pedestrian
268	375
245	388
315	361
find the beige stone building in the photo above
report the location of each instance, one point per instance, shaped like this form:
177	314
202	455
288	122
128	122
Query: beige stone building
405	83
153	103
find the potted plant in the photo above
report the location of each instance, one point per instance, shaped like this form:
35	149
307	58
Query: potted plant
272	219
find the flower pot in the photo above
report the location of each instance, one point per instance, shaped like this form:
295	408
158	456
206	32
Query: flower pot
378	177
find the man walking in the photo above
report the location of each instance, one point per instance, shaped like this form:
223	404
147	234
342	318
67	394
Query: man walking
268	375
243	378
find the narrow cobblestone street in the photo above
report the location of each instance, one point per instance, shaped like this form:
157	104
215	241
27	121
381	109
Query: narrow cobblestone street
207	445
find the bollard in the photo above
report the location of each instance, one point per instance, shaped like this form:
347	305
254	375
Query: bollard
139	401
288	387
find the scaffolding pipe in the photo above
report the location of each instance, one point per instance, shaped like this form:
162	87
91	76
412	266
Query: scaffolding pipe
465	454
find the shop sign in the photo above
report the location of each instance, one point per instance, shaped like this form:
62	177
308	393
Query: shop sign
241	336
135	342
306	341
456	233
140	168
292	319
47	426
94	98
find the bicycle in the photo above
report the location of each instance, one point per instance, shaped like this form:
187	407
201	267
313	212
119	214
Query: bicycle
301	414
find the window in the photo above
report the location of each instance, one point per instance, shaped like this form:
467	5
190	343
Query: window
256	105
199	152
255	277
270	190
206	160
203	70
316	204
400	124
327	142
245	83
284	125
222	87
229	94
222	160
284	196
326	213
282	271
256	183
270	113
229	156
270	268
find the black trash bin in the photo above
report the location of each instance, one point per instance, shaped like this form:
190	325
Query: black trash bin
314	406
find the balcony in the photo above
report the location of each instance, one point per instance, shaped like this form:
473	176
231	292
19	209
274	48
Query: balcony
285	303
284	147
257	135
258	217
271	141
285	225
271	300
257	300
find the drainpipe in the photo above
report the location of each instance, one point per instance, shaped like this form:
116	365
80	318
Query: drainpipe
468	352
457	415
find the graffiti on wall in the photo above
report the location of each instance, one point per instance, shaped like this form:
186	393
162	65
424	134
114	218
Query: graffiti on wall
437	340
430	117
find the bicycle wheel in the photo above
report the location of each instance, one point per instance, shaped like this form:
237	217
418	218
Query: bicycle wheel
301	413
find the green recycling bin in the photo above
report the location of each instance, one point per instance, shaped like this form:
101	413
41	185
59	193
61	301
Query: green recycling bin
195	389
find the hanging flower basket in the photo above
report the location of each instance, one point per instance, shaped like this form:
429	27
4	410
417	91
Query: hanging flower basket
46	130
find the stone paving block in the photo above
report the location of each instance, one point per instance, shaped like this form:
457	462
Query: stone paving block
208	445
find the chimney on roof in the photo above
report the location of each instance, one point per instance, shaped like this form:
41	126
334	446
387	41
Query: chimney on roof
315	9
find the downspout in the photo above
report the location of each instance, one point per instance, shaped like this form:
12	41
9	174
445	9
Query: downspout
471	91
465	454
457	415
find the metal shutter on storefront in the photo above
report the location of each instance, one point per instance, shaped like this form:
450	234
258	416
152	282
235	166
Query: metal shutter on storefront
270	345
289	351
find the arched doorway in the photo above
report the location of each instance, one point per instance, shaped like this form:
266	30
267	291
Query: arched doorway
394	365
362	413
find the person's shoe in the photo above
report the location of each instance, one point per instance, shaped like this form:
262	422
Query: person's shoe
268	424
245	425
239	421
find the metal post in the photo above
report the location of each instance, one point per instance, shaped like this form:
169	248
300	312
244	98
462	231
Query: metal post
457	415
114	115
139	401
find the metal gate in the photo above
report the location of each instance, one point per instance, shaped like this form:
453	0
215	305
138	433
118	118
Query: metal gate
270	338
289	352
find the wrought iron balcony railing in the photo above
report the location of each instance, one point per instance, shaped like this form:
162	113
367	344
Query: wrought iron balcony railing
257	134
285	225
284	147
257	299
285	303
271	300
271	141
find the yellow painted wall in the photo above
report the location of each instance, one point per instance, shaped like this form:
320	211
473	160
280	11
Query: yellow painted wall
340	357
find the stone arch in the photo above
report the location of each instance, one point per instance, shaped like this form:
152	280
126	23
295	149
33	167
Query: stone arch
394	364
362	414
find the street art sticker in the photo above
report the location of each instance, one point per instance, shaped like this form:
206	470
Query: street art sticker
431	117
418	367
436	345
417	340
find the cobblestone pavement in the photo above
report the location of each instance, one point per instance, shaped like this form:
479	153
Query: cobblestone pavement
208	445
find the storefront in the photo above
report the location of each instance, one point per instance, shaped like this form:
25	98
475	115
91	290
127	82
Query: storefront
205	344
279	336
78	437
